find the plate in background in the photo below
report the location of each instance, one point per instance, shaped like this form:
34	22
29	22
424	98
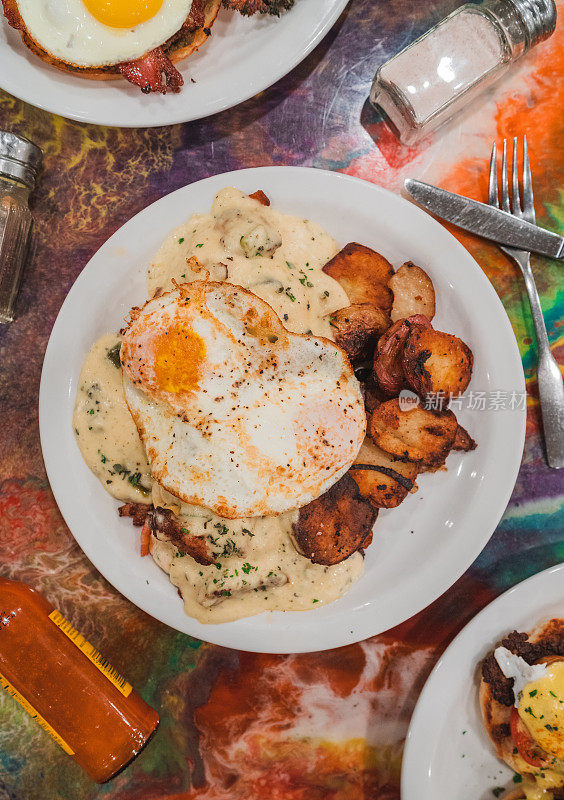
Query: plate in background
243	56
447	751
419	548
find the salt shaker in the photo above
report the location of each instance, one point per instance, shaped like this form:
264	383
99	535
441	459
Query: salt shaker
19	161
426	84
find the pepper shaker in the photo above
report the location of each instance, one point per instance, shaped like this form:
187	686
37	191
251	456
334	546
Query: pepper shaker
19	161
427	83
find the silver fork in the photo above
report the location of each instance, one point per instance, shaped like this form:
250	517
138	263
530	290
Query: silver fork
551	387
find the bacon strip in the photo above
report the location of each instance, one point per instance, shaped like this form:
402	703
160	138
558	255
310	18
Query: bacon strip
138	512
197	16
153	73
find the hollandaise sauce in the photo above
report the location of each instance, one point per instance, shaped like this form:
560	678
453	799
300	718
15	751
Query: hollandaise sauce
541	708
67	686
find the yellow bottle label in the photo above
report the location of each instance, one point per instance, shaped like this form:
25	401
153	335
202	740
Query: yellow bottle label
5	684
91	653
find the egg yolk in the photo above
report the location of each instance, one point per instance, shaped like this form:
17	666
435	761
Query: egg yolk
123	13
179	354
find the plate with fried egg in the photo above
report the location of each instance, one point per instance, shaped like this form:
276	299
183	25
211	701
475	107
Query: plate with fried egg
238	410
489	720
153	62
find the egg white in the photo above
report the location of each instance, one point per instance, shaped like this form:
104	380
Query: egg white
67	30
269	427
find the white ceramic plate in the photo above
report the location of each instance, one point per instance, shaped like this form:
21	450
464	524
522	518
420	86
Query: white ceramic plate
420	548
448	753
242	57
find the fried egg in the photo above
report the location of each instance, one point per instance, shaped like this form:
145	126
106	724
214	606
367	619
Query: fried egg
236	413
95	33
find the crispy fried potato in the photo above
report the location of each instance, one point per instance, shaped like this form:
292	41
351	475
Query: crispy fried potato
357	329
261	197
373	395
383	480
436	362
335	525
364	274
413	292
388	368
416	435
463	440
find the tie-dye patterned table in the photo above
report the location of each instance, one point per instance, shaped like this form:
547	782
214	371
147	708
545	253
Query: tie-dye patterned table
237	725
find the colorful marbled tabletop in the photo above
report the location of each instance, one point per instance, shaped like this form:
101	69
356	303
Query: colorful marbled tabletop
236	725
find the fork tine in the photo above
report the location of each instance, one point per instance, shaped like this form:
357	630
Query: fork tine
528	200
515	200
493	198
504	182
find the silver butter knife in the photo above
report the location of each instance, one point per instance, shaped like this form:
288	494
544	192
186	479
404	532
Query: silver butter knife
484	220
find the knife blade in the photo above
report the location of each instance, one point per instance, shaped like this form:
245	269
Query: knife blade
484	220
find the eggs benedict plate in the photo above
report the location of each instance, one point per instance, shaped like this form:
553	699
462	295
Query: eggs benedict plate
522	704
488	720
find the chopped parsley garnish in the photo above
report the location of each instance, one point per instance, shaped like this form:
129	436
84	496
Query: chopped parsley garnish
91	411
223	529
316	601
533	693
247	567
551	727
121	470
229	548
529	710
517	778
325	293
290	295
552	693
134	481
113	355
103	458
181	240
497	791
200	245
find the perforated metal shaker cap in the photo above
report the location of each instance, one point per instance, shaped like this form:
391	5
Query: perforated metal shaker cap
539	18
19	158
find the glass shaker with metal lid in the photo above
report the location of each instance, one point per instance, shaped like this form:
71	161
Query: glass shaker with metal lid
427	83
20	160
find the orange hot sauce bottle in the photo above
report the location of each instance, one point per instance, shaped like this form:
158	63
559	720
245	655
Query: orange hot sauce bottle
67	686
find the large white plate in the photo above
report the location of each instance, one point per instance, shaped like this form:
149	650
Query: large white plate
420	548
448	753
242	57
